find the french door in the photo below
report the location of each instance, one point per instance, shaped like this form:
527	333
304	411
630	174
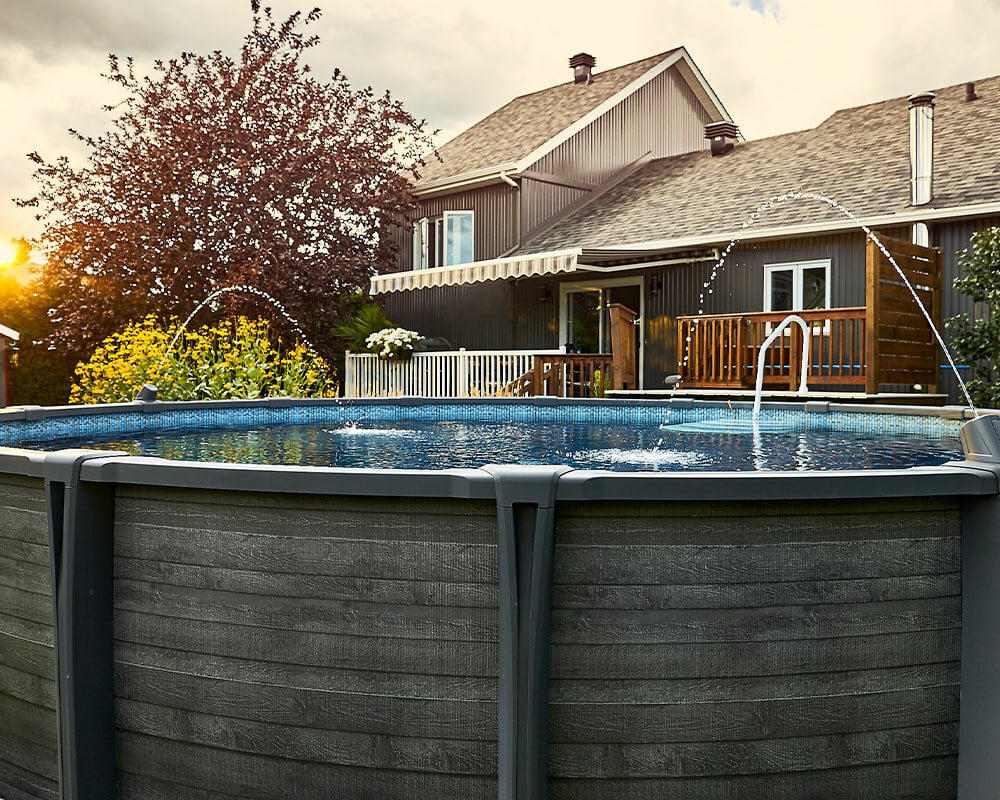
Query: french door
585	325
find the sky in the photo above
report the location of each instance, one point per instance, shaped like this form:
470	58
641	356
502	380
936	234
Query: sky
777	65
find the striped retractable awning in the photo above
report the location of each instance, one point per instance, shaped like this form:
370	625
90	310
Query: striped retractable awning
499	269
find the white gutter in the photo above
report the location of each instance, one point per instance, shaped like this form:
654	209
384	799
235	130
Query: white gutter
465	180
9	333
508	180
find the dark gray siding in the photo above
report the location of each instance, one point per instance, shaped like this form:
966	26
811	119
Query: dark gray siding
485	317
497	212
542	201
294	646
745	650
27	666
952	237
663	118
477	317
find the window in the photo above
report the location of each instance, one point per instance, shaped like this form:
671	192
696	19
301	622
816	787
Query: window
797	287
443	241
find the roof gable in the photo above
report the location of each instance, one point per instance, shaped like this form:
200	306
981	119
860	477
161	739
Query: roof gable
530	125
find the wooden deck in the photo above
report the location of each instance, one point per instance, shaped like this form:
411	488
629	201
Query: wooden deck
885	343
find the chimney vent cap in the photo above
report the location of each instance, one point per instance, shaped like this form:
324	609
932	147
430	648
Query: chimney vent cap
922	99
582	65
724	129
582	60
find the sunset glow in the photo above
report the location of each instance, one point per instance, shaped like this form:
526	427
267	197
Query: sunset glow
8	252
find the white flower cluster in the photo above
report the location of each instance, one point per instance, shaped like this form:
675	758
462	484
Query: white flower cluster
389	341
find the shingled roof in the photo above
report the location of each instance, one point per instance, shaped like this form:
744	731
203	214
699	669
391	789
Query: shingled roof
528	122
858	157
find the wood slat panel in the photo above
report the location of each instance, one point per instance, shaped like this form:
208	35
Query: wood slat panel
926	779
757	594
376	678
20	783
413	657
750	757
310	746
252	775
744	625
304	614
641	691
739	720
740	659
331	707
332	587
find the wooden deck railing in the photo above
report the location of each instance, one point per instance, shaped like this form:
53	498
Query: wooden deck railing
572	375
721	351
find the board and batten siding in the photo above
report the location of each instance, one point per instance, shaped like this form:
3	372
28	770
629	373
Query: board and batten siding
28	735
952	237
299	646
476	317
663	118
756	650
496	210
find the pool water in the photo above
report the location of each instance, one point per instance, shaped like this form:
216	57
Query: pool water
703	445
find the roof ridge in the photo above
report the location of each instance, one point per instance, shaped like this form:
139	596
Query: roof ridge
597	74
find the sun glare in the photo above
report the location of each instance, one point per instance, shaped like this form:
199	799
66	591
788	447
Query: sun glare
8	252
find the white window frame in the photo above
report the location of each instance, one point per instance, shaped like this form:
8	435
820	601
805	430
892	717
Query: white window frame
797	268
437	227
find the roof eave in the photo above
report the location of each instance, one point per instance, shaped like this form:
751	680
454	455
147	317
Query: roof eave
903	217
467	180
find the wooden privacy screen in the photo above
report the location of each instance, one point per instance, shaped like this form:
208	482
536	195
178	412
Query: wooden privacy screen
901	345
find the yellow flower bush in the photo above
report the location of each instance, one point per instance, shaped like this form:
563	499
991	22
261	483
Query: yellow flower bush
231	360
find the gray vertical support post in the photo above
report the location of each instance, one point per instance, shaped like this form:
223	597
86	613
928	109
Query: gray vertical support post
979	715
81	528
979	712
526	535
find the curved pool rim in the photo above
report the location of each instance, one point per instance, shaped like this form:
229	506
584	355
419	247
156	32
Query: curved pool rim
80	488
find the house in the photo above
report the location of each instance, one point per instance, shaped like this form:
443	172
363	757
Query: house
634	187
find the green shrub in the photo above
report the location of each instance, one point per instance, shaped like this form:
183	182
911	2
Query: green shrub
234	359
977	341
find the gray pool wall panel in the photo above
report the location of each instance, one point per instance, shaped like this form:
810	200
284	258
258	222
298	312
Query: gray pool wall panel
28	731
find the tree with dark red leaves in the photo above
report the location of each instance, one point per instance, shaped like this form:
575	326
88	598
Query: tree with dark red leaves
218	172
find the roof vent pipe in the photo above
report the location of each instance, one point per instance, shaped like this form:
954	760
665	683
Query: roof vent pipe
921	147
583	65
723	136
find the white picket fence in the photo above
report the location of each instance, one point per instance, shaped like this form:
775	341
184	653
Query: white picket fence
453	373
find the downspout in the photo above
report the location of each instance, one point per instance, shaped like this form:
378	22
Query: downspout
517	213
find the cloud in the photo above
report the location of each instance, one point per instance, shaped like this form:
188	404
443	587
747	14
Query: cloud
777	65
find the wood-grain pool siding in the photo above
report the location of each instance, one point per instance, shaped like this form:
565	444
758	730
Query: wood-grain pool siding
755	650
28	733
297	646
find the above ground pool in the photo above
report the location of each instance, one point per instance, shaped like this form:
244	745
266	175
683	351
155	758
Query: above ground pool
583	435
656	600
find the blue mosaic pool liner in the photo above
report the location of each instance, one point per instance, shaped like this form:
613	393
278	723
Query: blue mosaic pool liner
55	428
